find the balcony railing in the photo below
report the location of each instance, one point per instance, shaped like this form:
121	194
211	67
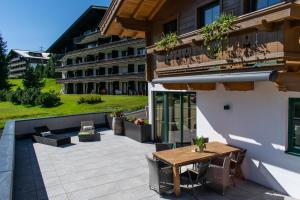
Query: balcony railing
97	49
258	41
101	62
133	75
84	39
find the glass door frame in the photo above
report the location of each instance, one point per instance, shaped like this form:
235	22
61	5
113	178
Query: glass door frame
165	133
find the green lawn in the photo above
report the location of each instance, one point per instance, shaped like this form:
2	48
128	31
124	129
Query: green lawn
69	105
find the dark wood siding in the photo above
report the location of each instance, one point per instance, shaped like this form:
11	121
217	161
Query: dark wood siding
186	13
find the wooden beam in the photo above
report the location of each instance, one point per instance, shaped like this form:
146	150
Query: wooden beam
133	24
156	8
293	66
137	9
265	26
175	86
288	81
149	59
239	86
202	86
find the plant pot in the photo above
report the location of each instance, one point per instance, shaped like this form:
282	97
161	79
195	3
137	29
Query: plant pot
118	125
108	121
199	149
140	133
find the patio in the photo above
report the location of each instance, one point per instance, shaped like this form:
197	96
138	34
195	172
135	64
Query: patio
114	168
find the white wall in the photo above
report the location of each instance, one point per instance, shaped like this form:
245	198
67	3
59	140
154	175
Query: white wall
257	121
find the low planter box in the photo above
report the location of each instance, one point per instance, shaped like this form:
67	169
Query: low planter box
140	133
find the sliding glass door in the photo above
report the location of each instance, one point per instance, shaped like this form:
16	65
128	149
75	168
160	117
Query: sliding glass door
174	117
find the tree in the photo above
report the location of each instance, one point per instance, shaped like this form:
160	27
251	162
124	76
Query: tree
4	85
50	67
41	70
32	79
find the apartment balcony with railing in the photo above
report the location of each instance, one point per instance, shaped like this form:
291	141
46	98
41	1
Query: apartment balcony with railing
132	76
264	39
103	44
101	60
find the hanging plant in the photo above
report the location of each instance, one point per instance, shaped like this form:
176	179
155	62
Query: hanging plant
215	35
167	42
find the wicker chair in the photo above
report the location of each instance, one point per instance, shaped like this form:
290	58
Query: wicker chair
235	165
88	134
219	176
195	176
183	144
163	147
160	179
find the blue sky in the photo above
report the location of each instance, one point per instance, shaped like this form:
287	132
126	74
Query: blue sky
30	24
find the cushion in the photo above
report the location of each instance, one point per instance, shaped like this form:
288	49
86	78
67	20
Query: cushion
45	134
87	128
85	133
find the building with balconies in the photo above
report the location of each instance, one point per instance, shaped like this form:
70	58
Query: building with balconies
247	95
19	60
93	63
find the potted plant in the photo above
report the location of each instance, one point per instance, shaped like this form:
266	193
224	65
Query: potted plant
167	43
137	129
117	122
215	35
200	143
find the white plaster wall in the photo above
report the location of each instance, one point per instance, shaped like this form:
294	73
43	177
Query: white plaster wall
257	121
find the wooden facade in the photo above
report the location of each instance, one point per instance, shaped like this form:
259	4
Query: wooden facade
263	39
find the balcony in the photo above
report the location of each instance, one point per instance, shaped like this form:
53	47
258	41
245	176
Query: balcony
263	39
85	39
108	46
139	76
101	63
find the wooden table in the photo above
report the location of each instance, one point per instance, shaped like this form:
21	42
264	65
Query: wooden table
186	155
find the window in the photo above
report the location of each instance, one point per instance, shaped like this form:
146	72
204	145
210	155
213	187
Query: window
141	68
130	51
101	71
170	27
208	14
115	53
141	51
130	68
294	126
254	5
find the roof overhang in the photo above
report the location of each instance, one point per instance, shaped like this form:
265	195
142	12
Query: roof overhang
90	18
131	18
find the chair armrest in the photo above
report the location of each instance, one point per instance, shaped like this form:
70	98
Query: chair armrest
192	171
216	166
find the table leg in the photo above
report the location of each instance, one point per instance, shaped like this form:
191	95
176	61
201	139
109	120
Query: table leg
176	180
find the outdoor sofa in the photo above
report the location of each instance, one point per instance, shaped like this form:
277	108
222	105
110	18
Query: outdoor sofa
44	136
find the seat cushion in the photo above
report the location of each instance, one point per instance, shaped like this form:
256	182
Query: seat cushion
45	134
87	128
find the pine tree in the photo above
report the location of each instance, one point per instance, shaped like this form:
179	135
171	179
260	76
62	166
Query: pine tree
4	85
32	79
50	67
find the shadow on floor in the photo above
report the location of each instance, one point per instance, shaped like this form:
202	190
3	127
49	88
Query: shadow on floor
28	180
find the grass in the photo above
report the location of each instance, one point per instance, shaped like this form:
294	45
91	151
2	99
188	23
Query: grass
69	105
